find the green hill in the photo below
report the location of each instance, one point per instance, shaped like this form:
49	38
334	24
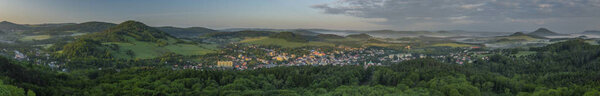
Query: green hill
289	36
9	26
131	39
137	30
85	27
70	29
543	32
191	32
86	48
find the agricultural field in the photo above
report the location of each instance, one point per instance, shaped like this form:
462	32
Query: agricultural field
148	50
35	37
189	49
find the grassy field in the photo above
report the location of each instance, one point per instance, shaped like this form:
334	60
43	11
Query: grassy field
148	50
142	50
36	37
451	45
188	49
282	42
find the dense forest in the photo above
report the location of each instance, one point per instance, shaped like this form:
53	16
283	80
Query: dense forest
562	69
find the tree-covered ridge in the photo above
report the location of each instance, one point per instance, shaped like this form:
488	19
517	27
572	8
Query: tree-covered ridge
86	48
137	30
191	32
9	26
289	36
92	26
330	36
523	34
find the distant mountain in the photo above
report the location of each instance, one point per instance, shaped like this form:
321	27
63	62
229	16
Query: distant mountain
361	36
523	34
544	32
330	36
304	32
85	27
49	25
9	26
191	32
307	32
592	32
139	31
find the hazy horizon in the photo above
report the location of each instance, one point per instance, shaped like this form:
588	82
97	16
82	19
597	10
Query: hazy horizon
402	15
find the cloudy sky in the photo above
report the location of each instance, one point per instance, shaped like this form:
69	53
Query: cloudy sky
565	16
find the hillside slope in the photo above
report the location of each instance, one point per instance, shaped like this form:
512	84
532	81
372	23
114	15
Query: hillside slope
128	40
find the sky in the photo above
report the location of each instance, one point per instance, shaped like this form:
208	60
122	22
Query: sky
565	16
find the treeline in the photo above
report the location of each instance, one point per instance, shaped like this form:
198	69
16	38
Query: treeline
238	34
289	36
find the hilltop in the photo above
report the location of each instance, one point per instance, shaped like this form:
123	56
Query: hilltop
9	26
516	34
543	32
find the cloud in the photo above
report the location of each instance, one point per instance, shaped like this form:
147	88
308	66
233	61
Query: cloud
460	13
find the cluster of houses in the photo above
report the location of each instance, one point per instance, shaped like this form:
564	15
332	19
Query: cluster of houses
338	57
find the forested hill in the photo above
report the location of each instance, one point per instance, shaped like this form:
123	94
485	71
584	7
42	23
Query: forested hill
128	40
289	36
9	26
137	30
92	26
563	69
